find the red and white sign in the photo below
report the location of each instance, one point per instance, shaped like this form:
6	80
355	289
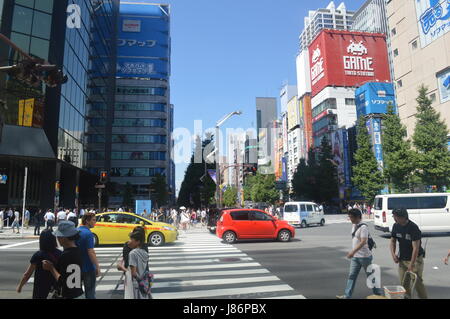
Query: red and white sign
131	26
347	59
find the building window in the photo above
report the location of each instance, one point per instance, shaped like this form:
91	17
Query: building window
414	45
350	102
396	52
394	31
399	83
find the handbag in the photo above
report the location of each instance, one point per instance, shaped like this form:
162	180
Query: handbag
145	283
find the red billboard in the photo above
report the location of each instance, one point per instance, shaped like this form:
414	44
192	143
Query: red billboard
349	59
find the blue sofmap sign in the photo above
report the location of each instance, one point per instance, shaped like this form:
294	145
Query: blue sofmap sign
433	18
143	45
374	98
142	205
444	86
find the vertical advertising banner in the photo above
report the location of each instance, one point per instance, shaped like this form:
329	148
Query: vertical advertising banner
433	19
21	112
444	86
338	150
28	113
143	46
378	149
347	165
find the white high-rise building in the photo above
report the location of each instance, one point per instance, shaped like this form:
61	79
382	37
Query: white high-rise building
329	18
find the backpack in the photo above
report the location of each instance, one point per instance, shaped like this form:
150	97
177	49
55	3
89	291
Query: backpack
145	283
370	242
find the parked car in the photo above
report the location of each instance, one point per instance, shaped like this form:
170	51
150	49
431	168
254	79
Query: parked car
303	214
236	224
430	211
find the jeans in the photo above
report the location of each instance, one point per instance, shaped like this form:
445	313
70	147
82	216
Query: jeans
37	229
355	267
14	225
89	280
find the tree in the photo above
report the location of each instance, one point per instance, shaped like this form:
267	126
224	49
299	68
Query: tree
399	158
327	183
263	189
159	190
230	197
197	188
128	196
366	175
430	141
300	187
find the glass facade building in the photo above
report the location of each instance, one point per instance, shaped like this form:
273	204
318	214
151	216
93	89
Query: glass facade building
141	140
45	128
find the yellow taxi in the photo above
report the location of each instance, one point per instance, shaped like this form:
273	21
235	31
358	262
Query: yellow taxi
115	227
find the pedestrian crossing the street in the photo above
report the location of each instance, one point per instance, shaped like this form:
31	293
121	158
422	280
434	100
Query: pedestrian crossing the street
197	266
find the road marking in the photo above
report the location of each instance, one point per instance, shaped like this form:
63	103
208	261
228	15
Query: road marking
203	261
215	282
19	244
220	292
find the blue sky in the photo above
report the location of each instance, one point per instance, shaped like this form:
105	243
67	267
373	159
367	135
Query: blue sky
225	53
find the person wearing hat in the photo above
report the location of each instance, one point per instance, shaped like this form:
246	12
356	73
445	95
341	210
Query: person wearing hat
67	271
411	254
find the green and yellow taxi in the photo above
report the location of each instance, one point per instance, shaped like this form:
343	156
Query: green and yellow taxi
115	227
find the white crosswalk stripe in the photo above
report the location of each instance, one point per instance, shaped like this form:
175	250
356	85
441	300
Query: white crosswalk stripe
198	265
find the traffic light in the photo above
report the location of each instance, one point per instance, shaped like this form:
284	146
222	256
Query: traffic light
103	177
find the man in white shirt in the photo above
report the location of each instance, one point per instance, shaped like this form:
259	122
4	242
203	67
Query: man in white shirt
174	217
49	220
361	256
61	216
73	218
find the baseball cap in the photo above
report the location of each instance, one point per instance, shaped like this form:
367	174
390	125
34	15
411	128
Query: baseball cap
400	212
66	229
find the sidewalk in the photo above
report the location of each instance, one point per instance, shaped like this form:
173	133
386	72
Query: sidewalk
7	233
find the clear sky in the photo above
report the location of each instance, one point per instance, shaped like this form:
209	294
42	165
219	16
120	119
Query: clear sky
225	53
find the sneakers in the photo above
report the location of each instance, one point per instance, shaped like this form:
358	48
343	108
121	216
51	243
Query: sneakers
341	297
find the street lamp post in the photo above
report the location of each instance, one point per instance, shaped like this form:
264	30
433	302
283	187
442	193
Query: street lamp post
218	175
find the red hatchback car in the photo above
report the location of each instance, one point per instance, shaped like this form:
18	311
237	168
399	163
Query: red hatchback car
238	224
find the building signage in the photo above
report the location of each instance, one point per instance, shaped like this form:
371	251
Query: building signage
378	149
347	172
131	26
347	59
3	179
444	86
143	46
433	19
320	116
374	98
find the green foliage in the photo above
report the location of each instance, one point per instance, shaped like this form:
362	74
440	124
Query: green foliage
366	175
399	158
317	180
128	196
159	190
261	188
230	197
197	188
430	141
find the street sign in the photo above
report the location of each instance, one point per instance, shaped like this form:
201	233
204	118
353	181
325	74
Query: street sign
99	186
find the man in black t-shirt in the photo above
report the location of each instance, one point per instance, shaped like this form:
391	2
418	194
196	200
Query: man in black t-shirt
67	271
410	258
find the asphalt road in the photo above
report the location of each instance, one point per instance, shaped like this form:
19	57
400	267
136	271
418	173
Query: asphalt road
314	263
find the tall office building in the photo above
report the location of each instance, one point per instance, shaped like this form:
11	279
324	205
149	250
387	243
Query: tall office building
325	18
371	17
45	128
143	115
266	114
420	40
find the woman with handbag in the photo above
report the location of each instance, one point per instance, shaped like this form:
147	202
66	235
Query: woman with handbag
43	279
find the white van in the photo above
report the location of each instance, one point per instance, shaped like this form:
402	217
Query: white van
303	214
430	211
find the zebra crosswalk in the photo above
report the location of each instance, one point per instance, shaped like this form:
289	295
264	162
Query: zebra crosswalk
197	266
